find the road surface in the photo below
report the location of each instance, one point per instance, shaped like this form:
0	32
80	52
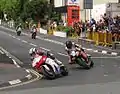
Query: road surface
106	70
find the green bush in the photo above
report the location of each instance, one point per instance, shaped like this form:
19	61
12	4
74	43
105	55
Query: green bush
64	28
60	28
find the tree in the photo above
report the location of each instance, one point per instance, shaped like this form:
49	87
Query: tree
35	9
9	7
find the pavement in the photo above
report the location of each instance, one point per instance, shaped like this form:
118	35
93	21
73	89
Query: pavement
104	78
10	73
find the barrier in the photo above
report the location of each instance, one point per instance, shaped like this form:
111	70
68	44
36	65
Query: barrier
101	38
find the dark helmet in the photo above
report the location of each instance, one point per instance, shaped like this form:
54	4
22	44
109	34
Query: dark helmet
69	44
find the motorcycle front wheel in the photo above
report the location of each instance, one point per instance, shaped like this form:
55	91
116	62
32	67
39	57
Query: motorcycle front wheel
48	74
64	70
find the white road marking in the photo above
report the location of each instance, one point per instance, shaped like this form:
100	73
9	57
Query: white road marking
13	36
105	75
102	65
95	51
27	71
15	63
49	40
62	54
1	52
25	34
8	54
113	53
89	49
29	76
15	82
61	43
45	49
10	57
18	38
104	52
10	35
33	44
24	41
115	65
27	82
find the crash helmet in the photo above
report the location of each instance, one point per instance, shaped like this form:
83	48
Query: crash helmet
40	51
69	44
32	51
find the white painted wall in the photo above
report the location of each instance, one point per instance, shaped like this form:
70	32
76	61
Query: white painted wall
98	11
58	3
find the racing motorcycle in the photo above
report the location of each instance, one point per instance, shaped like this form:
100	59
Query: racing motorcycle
18	31
34	35
50	69
80	61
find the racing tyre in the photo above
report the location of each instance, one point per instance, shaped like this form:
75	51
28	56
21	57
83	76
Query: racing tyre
49	74
34	35
64	71
18	33
92	64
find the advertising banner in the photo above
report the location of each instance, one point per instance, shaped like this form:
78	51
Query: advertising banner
72	2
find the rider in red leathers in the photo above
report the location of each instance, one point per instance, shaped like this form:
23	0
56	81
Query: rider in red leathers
80	52
39	57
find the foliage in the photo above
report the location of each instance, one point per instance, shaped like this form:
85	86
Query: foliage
35	9
9	7
64	28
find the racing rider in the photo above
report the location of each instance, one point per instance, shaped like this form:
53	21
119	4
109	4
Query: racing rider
37	53
72	46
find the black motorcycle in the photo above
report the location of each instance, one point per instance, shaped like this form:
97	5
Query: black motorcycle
18	33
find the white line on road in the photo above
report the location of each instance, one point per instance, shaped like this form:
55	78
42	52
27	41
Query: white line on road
1	52
8	54
10	35
24	41
45	49
104	52
17	81
62	54
15	63
27	82
113	53
93	57
33	44
89	49
13	36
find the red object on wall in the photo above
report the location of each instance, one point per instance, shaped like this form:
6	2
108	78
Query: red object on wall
73	14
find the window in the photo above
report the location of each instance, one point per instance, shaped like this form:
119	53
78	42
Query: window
75	14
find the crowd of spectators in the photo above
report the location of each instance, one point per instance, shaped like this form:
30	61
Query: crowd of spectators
108	24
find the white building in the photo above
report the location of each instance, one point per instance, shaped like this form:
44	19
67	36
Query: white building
87	14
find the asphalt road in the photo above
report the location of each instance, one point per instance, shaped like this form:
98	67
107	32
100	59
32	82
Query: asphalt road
8	71
107	68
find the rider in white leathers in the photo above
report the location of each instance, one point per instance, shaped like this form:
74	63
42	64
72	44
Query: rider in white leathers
36	55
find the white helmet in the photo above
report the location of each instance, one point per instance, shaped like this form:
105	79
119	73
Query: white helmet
32	51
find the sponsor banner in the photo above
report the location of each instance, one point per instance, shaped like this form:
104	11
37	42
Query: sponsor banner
72	2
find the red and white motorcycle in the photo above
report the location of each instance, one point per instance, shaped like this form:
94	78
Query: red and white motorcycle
48	66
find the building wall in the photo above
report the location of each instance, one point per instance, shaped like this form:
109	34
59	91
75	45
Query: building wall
104	1
85	14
